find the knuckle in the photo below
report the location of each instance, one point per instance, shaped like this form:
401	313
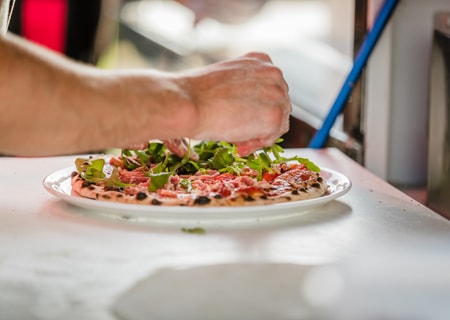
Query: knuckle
259	55
277	93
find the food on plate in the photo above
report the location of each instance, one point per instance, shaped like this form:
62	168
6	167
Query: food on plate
217	176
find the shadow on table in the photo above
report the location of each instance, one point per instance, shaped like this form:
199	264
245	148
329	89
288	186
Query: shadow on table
223	291
394	285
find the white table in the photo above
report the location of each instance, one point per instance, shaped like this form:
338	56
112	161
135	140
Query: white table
57	262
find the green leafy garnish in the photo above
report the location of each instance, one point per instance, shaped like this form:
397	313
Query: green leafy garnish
159	164
196	230
186	184
223	158
91	170
158	180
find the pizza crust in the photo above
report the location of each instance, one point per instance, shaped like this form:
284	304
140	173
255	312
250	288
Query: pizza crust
298	191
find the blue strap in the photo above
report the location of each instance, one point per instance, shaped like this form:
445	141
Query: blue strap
321	136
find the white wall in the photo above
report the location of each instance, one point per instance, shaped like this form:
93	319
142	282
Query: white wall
397	94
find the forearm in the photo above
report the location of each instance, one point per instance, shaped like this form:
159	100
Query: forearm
50	105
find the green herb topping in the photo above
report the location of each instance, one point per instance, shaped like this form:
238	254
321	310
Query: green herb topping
196	230
159	164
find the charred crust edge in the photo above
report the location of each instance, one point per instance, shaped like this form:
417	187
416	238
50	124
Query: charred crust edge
202	200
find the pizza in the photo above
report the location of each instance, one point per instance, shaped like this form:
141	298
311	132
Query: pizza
215	176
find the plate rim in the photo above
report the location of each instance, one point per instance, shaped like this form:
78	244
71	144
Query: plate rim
61	176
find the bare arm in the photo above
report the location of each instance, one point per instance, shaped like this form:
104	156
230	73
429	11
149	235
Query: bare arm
50	105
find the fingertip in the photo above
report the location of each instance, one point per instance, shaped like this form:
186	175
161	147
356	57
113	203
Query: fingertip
244	150
249	147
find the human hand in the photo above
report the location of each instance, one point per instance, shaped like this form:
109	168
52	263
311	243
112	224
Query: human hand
244	101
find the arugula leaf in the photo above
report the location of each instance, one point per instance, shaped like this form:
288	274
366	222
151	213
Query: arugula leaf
158	180
196	230
114	180
91	169
206	149
222	158
156	151
189	167
308	163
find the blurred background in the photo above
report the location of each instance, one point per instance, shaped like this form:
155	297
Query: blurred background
386	125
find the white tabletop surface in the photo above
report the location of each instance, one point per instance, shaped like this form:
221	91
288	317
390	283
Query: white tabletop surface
58	261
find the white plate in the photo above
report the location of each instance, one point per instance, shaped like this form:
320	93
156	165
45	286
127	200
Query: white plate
58	183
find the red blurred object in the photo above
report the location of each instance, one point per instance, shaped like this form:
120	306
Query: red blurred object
45	22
